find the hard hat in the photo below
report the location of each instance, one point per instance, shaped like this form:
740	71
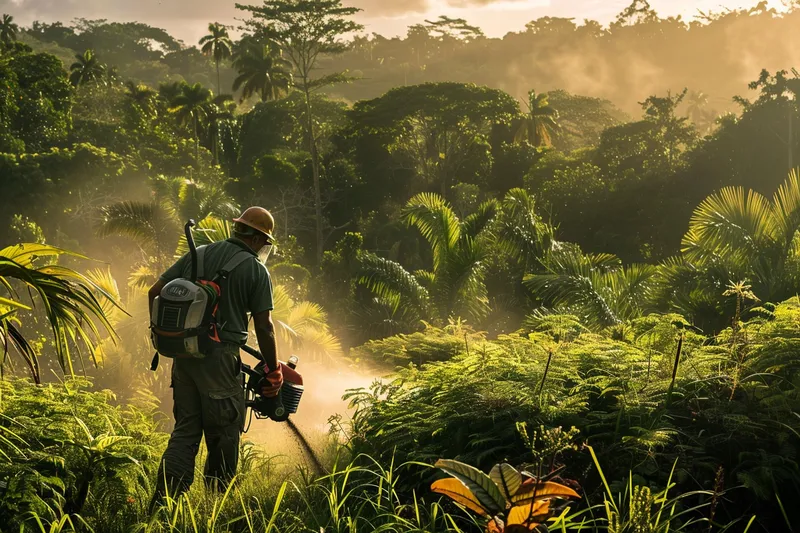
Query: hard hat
259	219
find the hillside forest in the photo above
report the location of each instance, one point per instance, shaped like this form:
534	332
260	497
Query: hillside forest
567	261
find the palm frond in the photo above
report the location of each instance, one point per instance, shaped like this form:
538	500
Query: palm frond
103	279
521	231
208	230
594	287
70	302
388	279
144	274
460	286
146	223
786	204
478	221
733	223
436	221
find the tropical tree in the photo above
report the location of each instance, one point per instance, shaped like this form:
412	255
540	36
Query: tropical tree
697	103
190	107
454	287
736	235
86	68
522	232
539	123
307	30
442	128
262	70
221	128
142	99
8	29
217	44
168	92
72	305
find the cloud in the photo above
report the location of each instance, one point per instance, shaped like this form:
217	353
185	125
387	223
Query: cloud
389	8
482	3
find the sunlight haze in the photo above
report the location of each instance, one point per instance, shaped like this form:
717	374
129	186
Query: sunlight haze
187	18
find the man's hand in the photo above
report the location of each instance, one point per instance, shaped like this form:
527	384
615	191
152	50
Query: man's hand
271	384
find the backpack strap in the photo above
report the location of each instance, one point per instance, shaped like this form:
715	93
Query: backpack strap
237	259
201	254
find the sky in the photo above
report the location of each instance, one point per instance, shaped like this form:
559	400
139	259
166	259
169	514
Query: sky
188	19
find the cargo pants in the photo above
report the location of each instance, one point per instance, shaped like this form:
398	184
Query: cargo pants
208	401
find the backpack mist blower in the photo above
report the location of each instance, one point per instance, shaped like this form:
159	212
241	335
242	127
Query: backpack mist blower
281	406
286	402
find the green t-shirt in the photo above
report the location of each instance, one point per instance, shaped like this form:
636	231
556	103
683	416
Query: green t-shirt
247	289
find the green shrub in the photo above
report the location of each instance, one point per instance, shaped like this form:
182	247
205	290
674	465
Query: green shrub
66	448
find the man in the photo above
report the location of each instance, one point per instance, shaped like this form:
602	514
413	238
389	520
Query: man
208	395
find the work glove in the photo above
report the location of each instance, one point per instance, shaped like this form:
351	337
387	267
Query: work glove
270	386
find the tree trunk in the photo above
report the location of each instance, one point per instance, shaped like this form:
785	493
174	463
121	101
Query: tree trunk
315	169
791	138
219	83
215	140
196	140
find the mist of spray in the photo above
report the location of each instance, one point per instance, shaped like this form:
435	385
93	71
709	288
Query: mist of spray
325	384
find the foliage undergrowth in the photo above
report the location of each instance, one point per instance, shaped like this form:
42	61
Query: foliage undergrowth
645	395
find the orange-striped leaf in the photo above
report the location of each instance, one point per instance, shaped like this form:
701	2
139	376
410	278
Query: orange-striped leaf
543	490
528	515
495	525
459	493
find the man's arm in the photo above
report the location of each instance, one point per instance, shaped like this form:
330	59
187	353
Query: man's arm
265	333
154	291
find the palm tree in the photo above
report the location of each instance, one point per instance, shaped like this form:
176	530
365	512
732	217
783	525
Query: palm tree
87	68
192	198
737	235
8	29
454	287
190	106
697	102
262	71
71	302
142	98
221	125
217	44
539	123
168	92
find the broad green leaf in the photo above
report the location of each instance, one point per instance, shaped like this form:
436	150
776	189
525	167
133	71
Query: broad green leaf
457	491
507	479
479	483
24	253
